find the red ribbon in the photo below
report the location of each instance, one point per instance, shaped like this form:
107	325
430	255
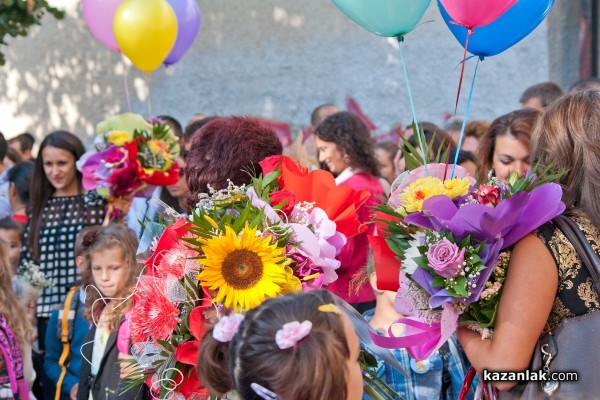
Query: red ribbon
387	267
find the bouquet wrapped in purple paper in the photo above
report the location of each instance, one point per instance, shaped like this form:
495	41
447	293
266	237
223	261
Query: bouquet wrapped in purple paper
452	239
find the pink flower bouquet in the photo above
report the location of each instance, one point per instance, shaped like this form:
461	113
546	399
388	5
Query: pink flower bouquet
130	157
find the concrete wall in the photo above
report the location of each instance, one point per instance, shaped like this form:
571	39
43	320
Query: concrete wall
563	42
273	58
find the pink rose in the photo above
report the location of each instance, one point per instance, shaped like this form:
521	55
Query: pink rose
446	258
488	195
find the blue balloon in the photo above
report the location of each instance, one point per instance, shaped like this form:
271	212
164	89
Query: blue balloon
512	26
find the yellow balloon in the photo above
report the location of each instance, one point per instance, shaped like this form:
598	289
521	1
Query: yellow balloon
145	31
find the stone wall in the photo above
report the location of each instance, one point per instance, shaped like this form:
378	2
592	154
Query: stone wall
273	58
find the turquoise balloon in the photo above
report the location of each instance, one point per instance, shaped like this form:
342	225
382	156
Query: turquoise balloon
389	18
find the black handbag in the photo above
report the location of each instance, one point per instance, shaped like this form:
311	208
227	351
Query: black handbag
572	346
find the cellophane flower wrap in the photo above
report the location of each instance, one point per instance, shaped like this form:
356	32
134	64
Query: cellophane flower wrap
448	240
240	245
130	157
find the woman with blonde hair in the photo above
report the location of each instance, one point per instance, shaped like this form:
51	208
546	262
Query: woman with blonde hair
547	281
16	338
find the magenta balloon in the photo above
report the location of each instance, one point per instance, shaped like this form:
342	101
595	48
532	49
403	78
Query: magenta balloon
188	26
476	13
99	15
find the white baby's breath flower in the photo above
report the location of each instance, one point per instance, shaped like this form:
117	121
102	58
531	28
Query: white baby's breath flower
31	274
409	265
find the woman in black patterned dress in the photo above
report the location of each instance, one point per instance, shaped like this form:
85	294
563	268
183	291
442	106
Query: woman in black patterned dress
546	281
59	210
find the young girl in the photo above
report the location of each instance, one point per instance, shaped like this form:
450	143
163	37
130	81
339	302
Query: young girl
19	189
68	328
16	338
298	347
110	262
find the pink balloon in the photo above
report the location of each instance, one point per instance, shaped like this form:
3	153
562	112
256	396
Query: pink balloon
476	13
99	15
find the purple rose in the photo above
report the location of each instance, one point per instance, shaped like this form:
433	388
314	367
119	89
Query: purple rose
446	258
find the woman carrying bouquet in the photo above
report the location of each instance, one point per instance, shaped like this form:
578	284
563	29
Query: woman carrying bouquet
345	145
504	147
546	281
59	210
227	148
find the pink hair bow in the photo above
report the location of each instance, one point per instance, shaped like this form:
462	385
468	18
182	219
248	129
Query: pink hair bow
227	327
291	333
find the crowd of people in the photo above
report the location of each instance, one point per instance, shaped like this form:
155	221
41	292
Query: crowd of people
64	340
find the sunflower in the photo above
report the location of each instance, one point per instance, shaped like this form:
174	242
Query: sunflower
243	270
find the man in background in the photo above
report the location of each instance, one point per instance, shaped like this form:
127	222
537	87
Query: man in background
23	145
540	96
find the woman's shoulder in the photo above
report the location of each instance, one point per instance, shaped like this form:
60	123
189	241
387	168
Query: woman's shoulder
552	236
365	181
90	198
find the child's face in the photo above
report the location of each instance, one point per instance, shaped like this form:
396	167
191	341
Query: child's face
12	239
354	379
108	270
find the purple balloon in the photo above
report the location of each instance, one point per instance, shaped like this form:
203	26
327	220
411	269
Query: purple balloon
99	15
188	26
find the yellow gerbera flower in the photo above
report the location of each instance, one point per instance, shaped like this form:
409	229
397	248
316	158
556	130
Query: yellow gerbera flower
158	147
415	194
457	187
119	138
245	270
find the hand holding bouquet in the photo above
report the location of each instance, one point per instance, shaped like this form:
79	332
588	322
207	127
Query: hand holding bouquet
448	235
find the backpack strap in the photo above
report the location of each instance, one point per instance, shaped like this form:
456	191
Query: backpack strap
6	359
64	338
11	351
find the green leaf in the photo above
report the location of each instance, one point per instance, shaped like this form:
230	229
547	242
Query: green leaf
422	262
458	289
16	18
438	281
270	178
164	344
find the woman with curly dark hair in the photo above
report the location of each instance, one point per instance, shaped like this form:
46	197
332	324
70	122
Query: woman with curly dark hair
227	148
346	147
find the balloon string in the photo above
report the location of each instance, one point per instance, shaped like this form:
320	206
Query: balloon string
462	74
125	81
149	96
464	123
462	70
412	104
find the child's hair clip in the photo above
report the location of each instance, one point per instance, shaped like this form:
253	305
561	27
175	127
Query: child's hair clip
263	392
330	308
227	327
291	333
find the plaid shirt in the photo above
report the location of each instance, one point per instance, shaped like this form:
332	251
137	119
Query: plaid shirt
61	220
443	380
